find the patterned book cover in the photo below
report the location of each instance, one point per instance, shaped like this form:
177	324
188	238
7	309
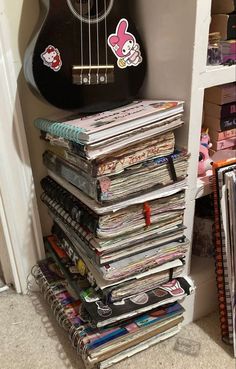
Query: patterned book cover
116	162
109	123
113	224
106	314
220	111
136	180
116	292
106	147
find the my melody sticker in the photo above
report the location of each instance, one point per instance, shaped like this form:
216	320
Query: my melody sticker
51	58
124	46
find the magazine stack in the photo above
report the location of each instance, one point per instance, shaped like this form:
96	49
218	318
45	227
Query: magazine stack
115	190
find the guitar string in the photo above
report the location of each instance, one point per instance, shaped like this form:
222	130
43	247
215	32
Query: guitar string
81	42
90	51
98	55
105	23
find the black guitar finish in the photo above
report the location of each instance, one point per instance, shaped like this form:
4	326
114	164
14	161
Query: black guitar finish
86	74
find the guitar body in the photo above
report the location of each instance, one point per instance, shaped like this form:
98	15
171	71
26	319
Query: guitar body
87	55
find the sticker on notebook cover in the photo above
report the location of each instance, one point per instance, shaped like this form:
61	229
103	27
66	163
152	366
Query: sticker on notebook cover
160	293
124	46
105	184
173	287
140	299
103	310
51	58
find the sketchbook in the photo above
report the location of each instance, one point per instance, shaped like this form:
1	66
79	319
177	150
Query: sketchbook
106	290
101	126
135	180
120	271
107	208
117	162
102	347
116	224
117	248
102	148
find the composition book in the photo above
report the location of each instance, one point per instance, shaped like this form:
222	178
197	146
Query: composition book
110	123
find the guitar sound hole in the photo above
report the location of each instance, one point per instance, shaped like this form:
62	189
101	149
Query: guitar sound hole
90	11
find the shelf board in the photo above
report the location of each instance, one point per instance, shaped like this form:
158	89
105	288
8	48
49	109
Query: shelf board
217	75
204	185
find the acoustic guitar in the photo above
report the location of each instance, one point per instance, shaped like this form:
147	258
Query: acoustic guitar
87	55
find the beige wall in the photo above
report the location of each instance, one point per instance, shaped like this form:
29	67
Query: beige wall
22	16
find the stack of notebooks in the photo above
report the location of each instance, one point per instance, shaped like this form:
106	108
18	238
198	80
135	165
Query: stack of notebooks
219	116
115	191
225	251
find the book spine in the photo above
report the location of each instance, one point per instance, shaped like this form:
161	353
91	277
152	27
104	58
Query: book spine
89	167
224	144
226	134
228	124
228	110
69	172
78	148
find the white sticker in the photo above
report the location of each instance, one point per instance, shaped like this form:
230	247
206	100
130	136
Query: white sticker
52	58
124	46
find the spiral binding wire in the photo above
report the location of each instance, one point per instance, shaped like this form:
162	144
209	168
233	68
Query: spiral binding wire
59	129
49	292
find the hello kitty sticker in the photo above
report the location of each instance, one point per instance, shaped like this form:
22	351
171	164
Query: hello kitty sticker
52	58
124	46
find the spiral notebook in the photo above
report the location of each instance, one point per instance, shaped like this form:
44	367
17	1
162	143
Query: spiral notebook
135	180
113	224
225	225
101	126
106	346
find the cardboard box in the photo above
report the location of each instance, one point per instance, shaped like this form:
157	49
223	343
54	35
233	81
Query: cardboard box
225	24
223	94
223	6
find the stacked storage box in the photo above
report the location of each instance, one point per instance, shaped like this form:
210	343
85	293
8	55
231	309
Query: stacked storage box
117	203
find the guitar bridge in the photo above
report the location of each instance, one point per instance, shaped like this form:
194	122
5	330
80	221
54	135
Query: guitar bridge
93	74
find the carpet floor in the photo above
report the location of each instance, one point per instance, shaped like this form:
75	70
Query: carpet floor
31	339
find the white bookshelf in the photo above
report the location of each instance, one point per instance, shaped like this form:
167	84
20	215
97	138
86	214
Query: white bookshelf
217	75
176	36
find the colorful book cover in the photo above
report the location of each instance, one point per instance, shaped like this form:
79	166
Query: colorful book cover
224	144
103	314
136	180
106	124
